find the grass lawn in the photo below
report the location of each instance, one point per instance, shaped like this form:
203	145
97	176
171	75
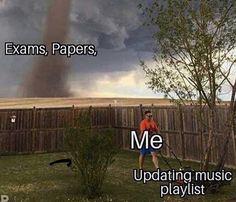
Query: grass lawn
30	178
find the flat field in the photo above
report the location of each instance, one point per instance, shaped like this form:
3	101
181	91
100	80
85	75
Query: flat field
78	102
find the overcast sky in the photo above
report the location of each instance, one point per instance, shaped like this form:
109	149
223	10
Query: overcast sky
115	27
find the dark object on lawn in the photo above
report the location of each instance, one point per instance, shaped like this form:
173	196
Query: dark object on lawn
68	161
213	186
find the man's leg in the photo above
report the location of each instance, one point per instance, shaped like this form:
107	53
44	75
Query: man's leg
141	161
155	159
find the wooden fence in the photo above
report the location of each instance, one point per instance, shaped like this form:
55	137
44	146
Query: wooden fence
42	129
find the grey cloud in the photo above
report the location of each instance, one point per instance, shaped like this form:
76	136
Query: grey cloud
106	61
141	39
106	22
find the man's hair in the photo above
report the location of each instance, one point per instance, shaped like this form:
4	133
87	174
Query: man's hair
147	111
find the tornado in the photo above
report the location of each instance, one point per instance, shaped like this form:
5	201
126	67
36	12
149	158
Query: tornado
49	75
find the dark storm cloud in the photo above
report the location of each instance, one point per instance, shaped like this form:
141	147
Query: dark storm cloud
106	61
141	39
115	27
22	20
109	24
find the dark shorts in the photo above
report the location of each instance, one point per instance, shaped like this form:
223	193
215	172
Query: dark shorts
145	151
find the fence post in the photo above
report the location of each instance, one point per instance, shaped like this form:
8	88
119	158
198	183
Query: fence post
181	131
141	112
110	116
91	115
117	130
200	112
34	129
73	116
167	134
234	147
152	108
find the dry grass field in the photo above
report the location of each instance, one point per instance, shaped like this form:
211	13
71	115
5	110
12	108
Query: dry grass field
10	103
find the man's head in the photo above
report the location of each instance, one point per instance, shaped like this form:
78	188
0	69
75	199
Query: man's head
148	115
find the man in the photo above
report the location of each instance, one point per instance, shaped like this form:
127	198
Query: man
148	124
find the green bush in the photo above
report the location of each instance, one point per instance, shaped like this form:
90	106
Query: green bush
92	151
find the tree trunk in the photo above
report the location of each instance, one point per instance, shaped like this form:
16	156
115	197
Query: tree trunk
221	162
211	134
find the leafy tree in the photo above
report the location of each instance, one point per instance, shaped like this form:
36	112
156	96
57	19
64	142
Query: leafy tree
195	56
92	151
